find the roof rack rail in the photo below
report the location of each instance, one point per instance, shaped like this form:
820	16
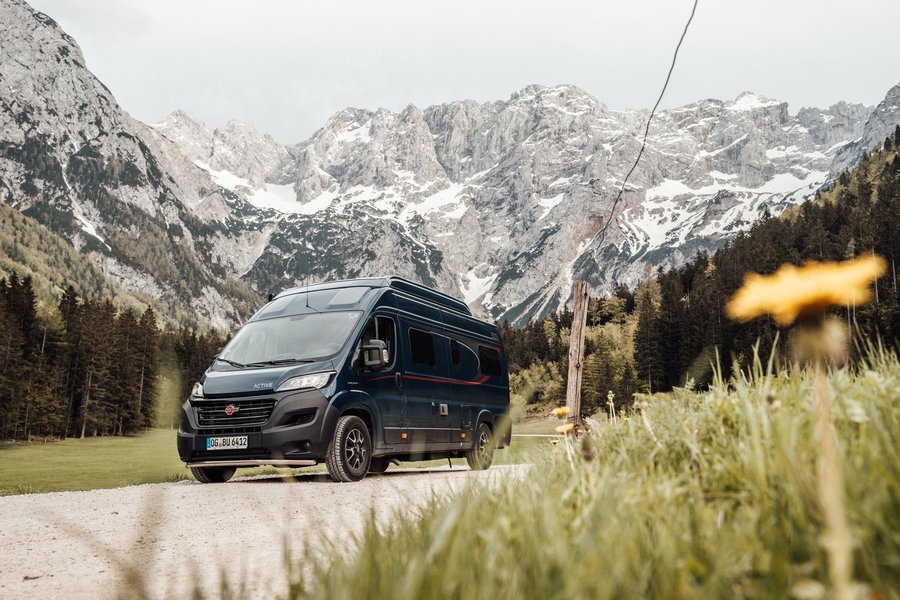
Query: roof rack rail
430	294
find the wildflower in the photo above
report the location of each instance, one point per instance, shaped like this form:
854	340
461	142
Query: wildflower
561	411
564	429
805	292
792	291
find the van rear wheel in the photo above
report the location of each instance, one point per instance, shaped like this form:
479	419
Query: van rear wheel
481	455
212	474
349	453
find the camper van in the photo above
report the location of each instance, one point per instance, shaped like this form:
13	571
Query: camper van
356	374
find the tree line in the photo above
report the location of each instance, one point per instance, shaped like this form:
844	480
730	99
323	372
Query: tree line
672	330
87	368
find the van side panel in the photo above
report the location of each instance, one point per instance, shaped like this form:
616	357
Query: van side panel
485	395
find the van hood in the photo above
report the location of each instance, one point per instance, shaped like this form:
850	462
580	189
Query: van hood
247	382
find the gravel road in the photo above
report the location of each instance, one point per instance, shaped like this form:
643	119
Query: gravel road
75	544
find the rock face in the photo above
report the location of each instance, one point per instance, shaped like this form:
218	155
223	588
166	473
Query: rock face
118	190
501	203
879	124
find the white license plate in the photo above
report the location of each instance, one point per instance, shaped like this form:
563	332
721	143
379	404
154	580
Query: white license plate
238	442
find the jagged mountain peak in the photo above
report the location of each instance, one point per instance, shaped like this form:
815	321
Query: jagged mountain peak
748	100
506	197
497	202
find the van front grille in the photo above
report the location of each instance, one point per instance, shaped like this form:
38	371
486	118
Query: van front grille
243	413
229	430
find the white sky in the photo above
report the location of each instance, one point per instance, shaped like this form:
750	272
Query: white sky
285	66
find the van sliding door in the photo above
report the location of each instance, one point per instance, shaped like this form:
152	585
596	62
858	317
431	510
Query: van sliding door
426	386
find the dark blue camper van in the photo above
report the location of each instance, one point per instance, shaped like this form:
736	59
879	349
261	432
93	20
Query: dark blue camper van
354	374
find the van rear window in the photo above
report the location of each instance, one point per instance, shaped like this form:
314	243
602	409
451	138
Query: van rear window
421	347
490	360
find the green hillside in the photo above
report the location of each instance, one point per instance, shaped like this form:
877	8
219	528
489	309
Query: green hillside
27	248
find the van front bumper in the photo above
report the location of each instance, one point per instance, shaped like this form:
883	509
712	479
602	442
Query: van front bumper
294	433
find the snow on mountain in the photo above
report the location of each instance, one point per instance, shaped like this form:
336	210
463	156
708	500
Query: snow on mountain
501	202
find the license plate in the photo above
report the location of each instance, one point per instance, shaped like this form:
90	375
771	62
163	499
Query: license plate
238	442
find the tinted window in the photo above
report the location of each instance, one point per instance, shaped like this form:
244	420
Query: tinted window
490	360
421	347
455	358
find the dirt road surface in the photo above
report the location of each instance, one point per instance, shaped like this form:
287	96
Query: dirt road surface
185	535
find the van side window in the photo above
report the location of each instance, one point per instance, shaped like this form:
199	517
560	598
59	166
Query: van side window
490	360
421	347
378	328
455	358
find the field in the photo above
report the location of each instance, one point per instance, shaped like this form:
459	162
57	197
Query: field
708	495
109	462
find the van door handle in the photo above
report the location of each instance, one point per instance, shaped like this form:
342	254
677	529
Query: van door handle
398	381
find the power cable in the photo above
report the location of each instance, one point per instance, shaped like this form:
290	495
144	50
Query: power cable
602	232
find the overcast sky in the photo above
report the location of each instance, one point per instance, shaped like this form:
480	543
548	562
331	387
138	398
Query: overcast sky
285	66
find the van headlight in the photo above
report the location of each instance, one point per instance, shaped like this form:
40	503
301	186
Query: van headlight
197	392
303	382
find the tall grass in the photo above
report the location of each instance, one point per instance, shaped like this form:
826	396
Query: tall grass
710	495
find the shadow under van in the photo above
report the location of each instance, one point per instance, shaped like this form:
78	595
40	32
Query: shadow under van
354	374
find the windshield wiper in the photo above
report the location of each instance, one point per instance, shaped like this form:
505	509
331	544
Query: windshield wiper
282	361
230	362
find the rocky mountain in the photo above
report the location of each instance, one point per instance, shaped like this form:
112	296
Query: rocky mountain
122	194
501	203
879	124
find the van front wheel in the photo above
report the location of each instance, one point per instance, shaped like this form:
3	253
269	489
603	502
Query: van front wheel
350	451
481	455
212	474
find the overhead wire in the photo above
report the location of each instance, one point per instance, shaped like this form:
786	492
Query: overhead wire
602	233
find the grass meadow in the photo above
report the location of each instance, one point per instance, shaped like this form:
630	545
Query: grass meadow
709	495
108	462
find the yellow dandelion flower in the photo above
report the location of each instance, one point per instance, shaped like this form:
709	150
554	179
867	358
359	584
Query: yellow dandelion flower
564	429
793	291
561	411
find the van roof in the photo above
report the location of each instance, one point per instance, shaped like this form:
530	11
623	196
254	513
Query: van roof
397	283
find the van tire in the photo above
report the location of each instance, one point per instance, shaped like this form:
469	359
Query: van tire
378	466
481	455
349	453
212	474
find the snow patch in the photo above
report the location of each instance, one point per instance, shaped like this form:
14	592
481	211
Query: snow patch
474	287
750	101
549	204
281	198
360	133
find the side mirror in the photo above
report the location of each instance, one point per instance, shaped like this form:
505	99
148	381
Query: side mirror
375	355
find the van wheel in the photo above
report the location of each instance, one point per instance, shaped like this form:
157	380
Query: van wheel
379	465
350	452
481	455
212	474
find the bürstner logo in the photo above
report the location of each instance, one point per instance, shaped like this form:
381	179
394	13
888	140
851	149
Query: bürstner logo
231	409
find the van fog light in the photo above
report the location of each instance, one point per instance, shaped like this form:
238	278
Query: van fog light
311	381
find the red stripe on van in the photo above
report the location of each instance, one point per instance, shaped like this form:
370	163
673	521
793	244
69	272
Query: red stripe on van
432	379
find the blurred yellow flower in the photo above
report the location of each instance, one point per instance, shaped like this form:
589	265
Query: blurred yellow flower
793	291
561	411
564	429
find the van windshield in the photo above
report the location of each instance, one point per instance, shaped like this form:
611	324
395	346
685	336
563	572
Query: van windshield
296	338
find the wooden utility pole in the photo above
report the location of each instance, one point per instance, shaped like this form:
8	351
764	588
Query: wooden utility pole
576	352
